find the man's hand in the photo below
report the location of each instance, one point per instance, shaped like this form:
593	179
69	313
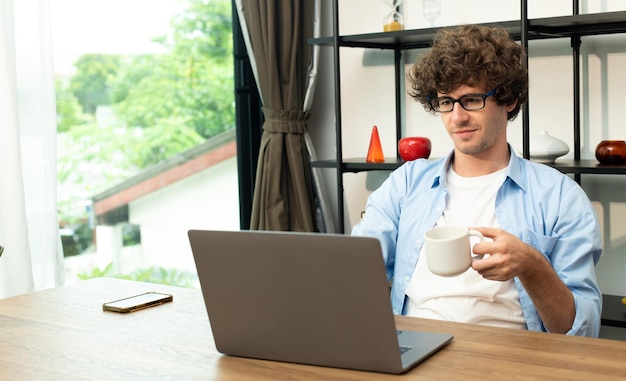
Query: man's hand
509	257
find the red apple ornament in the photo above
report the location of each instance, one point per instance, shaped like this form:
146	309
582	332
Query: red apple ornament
414	147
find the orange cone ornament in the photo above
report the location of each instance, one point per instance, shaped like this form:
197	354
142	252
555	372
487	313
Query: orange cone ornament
375	151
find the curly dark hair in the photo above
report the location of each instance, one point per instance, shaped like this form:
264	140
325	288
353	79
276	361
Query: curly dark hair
467	55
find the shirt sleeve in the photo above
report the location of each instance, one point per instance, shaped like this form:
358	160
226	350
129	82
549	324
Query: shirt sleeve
575	258
565	229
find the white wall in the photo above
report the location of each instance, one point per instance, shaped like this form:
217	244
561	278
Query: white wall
368	99
206	200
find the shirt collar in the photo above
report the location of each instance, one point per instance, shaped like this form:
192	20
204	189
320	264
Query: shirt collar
513	172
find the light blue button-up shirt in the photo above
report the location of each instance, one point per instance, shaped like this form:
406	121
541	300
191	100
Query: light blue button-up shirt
538	204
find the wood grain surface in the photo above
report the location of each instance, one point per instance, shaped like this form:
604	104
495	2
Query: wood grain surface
63	334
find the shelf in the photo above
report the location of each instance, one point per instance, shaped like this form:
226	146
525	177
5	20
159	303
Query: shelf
542	28
403	39
565	166
360	165
580	25
588	166
613	311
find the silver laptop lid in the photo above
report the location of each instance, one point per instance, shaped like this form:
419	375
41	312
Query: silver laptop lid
298	297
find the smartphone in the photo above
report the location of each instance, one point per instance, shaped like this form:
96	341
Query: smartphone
137	302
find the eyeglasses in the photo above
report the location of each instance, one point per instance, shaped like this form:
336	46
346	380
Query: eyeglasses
469	102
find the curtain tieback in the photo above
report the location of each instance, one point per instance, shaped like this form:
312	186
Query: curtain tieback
285	121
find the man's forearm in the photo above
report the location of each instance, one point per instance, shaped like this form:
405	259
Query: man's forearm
552	299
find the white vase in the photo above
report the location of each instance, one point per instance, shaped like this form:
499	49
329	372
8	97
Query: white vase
546	149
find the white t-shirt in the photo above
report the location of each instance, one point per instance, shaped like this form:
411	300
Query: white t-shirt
467	298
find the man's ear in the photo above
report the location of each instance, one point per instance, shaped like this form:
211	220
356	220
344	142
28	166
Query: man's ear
510	107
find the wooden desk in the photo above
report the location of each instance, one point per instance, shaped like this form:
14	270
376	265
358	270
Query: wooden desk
63	334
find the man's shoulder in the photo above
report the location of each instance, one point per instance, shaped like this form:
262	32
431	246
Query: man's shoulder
545	175
423	165
421	170
541	168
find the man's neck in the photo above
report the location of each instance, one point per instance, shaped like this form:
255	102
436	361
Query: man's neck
482	164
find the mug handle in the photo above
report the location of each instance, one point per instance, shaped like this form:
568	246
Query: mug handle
479	235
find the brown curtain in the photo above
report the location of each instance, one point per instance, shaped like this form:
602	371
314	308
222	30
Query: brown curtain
276	33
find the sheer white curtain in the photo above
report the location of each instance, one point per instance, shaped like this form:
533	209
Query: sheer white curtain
33	256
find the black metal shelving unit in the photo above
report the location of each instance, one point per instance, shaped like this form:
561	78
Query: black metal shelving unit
574	27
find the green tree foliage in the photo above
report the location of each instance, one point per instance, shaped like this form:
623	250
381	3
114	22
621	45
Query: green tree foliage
99	157
194	82
162	104
195	89
69	111
169	137
155	274
205	29
89	85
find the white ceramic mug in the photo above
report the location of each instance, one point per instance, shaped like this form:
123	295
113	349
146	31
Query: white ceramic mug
448	249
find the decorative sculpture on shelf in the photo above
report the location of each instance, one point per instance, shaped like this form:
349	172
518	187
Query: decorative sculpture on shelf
375	151
414	147
546	149
393	20
611	152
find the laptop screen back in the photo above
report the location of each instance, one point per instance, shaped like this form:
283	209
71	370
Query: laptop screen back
298	297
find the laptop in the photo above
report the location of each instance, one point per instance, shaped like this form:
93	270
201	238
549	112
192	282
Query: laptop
308	298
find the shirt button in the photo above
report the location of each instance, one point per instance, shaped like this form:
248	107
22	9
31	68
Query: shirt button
407	279
418	242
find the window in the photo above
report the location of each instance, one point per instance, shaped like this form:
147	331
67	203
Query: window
146	133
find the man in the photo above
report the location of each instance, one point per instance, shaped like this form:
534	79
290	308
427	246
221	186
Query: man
542	234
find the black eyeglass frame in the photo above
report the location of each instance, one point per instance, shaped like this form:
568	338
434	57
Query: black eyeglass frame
459	101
